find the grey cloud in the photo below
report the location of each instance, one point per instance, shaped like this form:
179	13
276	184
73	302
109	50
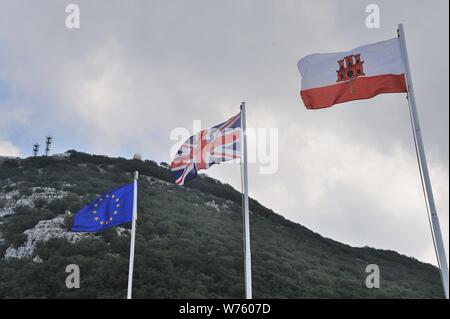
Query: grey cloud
135	71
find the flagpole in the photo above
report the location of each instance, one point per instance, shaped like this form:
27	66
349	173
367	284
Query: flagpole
423	167
245	207
133	237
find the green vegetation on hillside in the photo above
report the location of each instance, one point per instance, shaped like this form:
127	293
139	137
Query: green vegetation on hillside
184	248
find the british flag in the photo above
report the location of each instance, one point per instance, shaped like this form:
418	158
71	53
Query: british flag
211	146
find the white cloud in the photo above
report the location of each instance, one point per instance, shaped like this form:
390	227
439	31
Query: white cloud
131	74
8	149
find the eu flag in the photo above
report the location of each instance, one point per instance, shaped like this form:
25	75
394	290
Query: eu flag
108	210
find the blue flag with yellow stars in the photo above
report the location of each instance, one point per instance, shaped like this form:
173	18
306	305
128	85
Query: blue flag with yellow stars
108	210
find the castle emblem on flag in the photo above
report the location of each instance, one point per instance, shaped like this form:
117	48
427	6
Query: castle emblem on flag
350	67
361	73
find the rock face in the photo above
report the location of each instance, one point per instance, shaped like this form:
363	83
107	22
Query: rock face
9	201
224	207
213	204
43	232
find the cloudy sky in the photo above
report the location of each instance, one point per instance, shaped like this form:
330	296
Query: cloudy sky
136	70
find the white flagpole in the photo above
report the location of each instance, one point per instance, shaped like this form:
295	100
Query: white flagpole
133	237
245	207
423	167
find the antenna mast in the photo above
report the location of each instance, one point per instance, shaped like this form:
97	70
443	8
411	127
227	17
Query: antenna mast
48	143
35	149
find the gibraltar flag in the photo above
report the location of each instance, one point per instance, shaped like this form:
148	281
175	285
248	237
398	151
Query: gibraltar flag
361	73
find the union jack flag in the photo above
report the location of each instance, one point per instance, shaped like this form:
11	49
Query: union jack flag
208	147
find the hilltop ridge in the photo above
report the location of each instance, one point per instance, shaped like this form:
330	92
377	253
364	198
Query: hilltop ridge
189	240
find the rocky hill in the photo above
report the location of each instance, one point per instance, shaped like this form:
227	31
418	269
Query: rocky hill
189	241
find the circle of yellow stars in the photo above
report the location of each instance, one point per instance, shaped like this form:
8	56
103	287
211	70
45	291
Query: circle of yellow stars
115	212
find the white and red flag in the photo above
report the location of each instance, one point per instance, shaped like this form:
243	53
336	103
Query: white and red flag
361	73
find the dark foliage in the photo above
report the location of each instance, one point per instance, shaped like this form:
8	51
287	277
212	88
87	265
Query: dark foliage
185	249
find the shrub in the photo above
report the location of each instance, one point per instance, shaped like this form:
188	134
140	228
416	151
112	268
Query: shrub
25	191
8	188
39	202
68	221
2	203
11	164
